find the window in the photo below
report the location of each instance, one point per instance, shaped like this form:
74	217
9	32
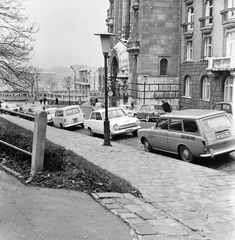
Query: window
188	87
207	47
176	125
209	11
190	126
189	50
92	115
206	88
228	89
163	66
230	48
231	3
98	116
162	124
72	111
190	14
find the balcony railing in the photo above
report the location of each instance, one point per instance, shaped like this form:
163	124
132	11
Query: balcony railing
228	17
220	64
206	24
188	29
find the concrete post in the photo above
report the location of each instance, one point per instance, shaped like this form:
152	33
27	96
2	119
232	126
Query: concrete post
39	139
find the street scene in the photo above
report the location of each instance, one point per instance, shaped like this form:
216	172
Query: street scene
117	120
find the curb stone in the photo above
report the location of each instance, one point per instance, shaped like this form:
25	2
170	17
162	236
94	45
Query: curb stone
148	225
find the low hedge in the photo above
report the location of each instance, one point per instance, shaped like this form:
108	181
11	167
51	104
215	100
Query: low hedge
62	168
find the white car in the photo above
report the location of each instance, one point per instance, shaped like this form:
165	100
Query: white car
50	114
68	116
119	122
128	109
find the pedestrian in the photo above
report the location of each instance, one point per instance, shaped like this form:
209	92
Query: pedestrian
56	101
166	106
44	101
40	100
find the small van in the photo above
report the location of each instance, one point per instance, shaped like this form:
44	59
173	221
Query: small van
68	116
191	134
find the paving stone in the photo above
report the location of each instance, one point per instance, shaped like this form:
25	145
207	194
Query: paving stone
109	195
112	206
133	208
144	229
145	215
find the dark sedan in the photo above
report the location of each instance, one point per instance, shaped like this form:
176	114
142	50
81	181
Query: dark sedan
149	112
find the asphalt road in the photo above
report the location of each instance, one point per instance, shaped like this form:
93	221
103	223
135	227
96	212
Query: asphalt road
226	164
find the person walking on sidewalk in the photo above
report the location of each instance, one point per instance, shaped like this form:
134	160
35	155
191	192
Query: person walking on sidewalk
166	106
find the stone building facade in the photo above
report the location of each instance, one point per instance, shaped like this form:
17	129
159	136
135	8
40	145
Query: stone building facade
182	51
144	57
207	52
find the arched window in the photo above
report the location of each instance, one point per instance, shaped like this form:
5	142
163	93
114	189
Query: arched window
163	66
188	87
228	89
206	88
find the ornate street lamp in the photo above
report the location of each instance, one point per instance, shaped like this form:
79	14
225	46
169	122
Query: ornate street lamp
105	44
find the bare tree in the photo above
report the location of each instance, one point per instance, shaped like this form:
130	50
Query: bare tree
15	44
50	83
67	82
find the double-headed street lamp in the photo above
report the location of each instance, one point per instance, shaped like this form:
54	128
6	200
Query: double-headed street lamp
105	44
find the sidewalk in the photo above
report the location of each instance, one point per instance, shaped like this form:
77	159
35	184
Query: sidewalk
181	200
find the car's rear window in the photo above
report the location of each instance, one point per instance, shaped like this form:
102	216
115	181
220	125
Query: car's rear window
216	123
72	111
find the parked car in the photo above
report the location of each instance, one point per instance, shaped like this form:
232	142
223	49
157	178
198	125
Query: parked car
25	108
128	109
149	112
191	133
10	106
35	109
119	122
224	106
50	114
68	116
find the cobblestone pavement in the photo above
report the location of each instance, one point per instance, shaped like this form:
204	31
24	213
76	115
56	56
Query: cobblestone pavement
180	200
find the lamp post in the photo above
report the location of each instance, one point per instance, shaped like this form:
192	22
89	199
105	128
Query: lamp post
68	88
105	44
145	80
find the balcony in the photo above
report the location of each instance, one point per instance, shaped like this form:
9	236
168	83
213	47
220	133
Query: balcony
206	24
133	47
221	64
228	17
109	22
187	29
188	2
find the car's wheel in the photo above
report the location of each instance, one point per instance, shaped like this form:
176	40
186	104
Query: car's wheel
135	133
61	126
82	125
147	146
147	118
186	154
90	132
52	124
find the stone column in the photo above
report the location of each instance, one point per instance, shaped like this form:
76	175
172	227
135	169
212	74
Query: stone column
126	19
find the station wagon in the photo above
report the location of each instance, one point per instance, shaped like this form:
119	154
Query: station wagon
68	116
192	134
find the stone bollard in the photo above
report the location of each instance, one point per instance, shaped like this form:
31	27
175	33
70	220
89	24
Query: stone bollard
39	139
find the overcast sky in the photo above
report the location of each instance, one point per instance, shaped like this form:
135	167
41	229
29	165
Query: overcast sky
66	35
